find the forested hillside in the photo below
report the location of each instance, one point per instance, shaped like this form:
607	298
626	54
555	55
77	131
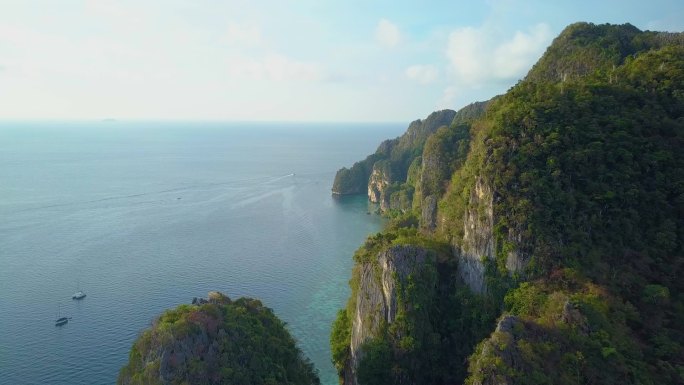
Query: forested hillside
539	236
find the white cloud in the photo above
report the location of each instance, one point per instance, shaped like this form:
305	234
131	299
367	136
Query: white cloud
515	57
274	67
40	55
242	34
480	55
423	74
113	11
448	98
387	33
467	55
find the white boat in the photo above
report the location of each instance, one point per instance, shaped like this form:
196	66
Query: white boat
79	294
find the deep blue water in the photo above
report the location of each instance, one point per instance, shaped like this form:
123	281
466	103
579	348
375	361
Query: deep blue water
145	216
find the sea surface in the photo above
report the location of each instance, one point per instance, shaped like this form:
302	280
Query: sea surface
144	216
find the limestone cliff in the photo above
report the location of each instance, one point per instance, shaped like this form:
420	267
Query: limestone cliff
428	218
376	299
478	237
479	243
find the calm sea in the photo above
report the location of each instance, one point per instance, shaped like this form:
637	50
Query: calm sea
145	216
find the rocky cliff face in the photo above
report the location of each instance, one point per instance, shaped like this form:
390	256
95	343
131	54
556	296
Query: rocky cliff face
376	298
479	243
516	257
478	237
379	180
428	218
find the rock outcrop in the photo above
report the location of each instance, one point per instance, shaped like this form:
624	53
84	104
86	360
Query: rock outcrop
499	348
378	182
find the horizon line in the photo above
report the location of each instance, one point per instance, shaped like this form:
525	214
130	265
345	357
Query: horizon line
189	120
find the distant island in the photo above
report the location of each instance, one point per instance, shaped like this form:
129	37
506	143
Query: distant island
109	120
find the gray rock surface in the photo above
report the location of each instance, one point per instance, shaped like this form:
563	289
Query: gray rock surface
478	237
428	218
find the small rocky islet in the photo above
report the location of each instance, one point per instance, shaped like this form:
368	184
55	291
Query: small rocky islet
217	341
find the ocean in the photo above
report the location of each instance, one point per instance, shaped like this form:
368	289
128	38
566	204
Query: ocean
144	216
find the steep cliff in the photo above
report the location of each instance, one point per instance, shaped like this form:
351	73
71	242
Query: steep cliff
408	320
477	243
379	298
217	341
478	246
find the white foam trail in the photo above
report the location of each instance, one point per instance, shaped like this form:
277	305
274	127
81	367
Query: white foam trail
281	177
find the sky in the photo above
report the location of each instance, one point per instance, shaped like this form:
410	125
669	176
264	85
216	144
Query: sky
281	60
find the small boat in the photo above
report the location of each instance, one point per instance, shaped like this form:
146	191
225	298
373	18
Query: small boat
61	321
79	294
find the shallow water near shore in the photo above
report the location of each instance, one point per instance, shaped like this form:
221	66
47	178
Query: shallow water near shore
143	216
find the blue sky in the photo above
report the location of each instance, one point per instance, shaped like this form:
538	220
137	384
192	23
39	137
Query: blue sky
280	60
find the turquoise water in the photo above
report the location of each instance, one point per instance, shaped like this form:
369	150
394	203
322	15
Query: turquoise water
145	216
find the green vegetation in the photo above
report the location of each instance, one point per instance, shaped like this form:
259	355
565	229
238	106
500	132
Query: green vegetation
339	339
376	367
219	342
445	151
585	163
354	180
566	331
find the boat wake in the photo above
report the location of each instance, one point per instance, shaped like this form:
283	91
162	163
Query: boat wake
195	187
